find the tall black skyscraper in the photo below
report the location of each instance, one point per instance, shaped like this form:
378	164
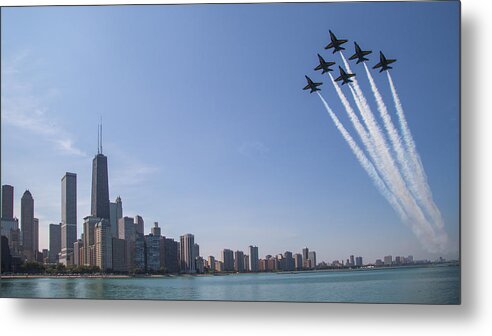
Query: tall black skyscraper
27	226
7	202
100	189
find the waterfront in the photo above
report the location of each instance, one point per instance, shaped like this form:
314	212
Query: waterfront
424	285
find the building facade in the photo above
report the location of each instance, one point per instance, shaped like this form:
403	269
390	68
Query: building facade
187	253
253	258
228	260
55	243
27	227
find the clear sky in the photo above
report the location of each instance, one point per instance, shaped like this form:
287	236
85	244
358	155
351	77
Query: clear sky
206	127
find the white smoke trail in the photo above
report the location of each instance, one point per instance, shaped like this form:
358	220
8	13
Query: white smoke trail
364	162
395	141
390	172
416	163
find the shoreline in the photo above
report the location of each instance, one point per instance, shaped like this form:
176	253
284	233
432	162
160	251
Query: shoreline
147	276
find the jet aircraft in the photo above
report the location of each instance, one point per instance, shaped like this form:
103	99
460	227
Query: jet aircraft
359	54
311	85
344	77
335	43
383	63
323	65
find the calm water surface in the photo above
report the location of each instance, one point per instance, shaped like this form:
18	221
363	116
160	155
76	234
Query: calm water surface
429	285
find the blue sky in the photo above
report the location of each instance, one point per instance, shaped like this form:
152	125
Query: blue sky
206	127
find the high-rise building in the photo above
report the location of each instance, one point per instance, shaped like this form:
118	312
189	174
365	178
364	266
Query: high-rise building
115	213
171	255
126	231
196	251
156	230
352	261
239	261
139	259
358	261
388	260
103	245
288	261
228	260
199	265
55	242
246	263
89	240
7	202
253	258
120	264
69	216
9	226
27	226
312	257
78	253
305	256
219	266
100	187
187	256
10	229
152	250
35	239
298	261
211	263
139	224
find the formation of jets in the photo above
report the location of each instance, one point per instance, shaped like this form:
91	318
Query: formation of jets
345	78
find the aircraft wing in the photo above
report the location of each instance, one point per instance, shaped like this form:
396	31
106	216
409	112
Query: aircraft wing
319	67
390	61
377	65
354	56
306	87
339	78
329	45
342	41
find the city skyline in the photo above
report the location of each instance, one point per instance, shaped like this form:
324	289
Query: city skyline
203	172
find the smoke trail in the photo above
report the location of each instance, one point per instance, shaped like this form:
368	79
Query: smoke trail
416	163
390	172
364	162
395	140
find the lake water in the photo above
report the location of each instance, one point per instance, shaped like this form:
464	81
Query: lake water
426	285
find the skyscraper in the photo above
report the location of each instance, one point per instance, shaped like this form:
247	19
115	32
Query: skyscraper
298	261
27	226
35	237
55	242
115	213
139	224
68	216
239	261
171	255
103	245
100	188
305	257
253	258
352	260
7	202
312	258
156	230
152	250
126	231
89	240
228	260
187	243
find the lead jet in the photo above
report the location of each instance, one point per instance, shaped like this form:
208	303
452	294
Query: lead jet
383	63
335	43
323	65
311	85
344	77
359	54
